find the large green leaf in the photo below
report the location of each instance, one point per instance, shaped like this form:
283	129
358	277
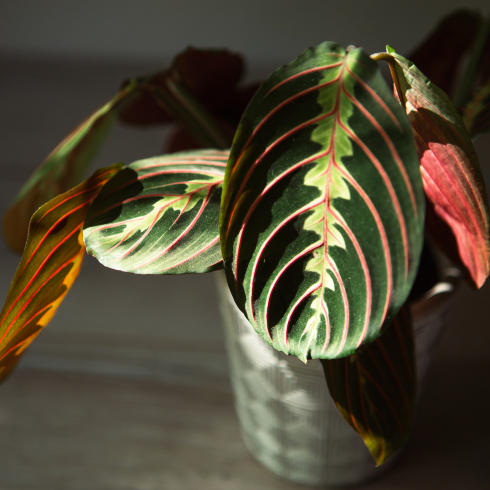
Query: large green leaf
51	261
160	215
375	389
322	209
63	168
449	165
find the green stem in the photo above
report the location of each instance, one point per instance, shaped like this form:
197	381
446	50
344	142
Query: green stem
394	75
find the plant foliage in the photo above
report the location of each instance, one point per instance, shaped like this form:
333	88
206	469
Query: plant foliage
322	211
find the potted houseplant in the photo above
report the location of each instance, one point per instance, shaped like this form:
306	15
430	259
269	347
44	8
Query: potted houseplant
316	214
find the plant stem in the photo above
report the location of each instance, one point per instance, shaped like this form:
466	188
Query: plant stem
391	63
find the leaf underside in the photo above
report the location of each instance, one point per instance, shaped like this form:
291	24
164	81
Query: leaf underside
375	389
63	168
160	215
51	261
322	212
450	169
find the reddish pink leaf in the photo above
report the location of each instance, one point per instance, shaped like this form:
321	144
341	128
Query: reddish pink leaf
450	169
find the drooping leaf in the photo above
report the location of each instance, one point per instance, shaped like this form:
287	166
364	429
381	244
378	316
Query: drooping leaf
63	168
160	215
322	209
476	114
375	389
449	166
51	261
440	55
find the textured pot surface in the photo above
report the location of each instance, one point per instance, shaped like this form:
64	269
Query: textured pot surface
287	417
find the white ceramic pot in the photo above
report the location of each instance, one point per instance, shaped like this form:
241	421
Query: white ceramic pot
287	417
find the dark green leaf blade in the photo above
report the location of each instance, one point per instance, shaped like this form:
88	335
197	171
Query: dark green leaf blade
322	212
63	168
160	215
51	261
375	389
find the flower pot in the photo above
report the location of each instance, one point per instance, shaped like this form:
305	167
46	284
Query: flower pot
288	420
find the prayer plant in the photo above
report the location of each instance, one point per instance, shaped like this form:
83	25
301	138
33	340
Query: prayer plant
316	213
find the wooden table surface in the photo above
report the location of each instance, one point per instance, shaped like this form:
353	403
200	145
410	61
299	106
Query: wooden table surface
127	389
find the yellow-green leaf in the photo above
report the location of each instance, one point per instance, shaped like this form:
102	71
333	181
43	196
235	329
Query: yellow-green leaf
63	168
51	261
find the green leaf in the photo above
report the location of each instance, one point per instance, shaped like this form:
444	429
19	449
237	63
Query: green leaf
63	168
375	389
160	215
450	169
322	209
51	261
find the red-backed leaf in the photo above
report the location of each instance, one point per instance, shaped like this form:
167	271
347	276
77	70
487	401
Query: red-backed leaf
177	100
442	235
209	75
375	389
183	140
440	55
51	261
144	110
160	215
63	168
180	140
449	165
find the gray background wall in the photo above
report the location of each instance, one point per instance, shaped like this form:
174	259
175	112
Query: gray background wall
264	30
